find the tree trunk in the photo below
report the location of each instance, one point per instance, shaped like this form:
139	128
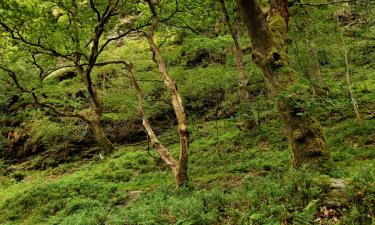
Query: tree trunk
179	171
268	39
94	114
243	80
347	75
314	62
100	137
182	175
348	81
182	165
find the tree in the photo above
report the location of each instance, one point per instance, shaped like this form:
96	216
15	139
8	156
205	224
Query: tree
267	31
180	166
68	34
243	80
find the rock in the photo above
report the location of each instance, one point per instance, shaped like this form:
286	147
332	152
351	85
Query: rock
340	192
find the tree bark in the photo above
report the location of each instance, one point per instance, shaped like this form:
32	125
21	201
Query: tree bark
314	62
178	108
94	116
268	39
179	172
100	137
243	80
348	80
181	168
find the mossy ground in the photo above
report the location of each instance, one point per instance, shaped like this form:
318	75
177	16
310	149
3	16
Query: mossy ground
236	178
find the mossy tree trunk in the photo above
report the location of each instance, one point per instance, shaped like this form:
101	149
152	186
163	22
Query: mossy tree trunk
94	115
83	61
100	137
268	39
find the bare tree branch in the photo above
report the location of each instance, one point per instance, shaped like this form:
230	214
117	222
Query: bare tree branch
92	4
35	63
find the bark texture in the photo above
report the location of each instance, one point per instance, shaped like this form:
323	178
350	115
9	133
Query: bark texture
100	137
180	167
267	33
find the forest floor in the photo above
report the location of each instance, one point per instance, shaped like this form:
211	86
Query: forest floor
236	178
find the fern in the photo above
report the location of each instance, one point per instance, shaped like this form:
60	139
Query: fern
306	217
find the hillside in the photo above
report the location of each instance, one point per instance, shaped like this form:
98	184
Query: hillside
78	148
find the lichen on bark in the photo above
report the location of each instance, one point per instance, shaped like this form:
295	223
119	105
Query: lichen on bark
269	51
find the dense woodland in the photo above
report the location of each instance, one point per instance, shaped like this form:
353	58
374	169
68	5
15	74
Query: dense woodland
187	112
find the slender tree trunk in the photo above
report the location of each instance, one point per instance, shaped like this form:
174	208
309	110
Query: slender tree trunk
268	38
243	80
315	67
181	169
348	80
94	115
180	174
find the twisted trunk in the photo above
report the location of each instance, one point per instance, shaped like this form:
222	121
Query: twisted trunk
179	171
182	165
268	38
94	115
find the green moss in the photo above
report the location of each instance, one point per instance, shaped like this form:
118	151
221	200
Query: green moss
278	29
239	178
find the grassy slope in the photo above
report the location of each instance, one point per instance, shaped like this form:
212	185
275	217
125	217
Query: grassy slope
236	178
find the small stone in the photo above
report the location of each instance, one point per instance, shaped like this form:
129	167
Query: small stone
339	193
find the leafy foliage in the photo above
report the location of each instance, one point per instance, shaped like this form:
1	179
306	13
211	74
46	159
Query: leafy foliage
236	177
